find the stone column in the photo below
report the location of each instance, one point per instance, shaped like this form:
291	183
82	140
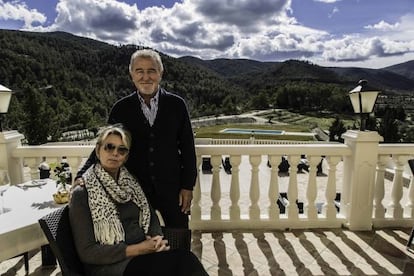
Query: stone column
9	140
359	178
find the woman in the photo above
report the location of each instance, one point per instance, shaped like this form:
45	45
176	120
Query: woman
116	231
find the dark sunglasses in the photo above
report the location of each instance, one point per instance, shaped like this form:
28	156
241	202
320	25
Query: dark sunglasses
122	150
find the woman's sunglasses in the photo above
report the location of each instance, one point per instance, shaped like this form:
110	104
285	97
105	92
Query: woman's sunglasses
122	150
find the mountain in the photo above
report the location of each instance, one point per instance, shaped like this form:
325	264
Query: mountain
405	69
230	67
382	79
398	78
65	82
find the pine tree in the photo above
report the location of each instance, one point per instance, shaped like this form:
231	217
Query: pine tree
36	120
336	130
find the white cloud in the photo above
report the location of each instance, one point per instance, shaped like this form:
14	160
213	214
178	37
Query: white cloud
107	20
245	14
261	30
356	48
334	10
405	30
383	26
17	10
210	29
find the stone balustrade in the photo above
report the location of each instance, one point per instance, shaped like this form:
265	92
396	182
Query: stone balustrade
251	192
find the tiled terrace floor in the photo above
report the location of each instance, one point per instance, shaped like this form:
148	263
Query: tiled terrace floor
292	252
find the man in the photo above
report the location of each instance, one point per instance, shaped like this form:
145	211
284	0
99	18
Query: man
162	154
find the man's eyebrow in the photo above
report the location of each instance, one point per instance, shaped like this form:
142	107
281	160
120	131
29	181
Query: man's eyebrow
148	69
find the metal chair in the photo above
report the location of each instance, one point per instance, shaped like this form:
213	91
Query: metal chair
58	232
177	237
410	239
57	229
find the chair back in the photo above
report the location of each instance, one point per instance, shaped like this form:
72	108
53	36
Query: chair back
411	164
58	232
177	237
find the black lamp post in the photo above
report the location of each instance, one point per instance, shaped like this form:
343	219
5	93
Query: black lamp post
5	96
363	101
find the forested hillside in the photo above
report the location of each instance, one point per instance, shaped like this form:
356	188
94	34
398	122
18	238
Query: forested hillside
64	82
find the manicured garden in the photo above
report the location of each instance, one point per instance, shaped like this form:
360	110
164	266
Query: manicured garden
281	120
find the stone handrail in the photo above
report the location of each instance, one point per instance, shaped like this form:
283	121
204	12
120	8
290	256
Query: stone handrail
254	194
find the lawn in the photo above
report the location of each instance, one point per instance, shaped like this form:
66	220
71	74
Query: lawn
275	120
215	132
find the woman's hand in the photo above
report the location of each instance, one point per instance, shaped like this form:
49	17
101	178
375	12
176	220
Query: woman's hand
160	243
150	245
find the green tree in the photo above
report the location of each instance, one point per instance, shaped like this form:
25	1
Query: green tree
388	128
37	119
81	114
336	130
260	101
371	123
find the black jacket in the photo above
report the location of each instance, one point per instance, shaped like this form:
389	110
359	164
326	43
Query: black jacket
162	157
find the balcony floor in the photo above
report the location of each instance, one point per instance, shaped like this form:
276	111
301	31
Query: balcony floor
291	252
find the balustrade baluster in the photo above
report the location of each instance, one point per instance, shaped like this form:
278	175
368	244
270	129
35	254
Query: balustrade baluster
235	161
273	208
379	209
329	209
215	188
254	210
397	186
311	191
292	208
196	208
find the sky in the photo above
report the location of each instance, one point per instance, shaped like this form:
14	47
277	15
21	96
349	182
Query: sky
340	33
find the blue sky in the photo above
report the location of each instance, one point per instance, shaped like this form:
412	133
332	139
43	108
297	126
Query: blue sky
362	33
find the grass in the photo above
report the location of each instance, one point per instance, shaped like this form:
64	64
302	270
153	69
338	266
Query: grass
215	132
281	120
321	120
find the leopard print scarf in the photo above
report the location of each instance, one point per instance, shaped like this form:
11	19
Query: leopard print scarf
103	193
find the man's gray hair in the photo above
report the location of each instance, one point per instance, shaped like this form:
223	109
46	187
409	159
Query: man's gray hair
147	53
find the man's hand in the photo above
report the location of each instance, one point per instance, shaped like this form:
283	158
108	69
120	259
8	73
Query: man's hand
78	181
184	200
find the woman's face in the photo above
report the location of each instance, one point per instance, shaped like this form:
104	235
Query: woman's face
112	153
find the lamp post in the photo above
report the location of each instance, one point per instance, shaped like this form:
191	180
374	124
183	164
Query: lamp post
5	96
363	101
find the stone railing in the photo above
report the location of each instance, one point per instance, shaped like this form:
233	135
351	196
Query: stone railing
243	188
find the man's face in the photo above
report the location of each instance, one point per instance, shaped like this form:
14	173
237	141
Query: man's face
146	76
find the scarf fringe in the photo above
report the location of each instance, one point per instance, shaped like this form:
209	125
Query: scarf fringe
108	232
